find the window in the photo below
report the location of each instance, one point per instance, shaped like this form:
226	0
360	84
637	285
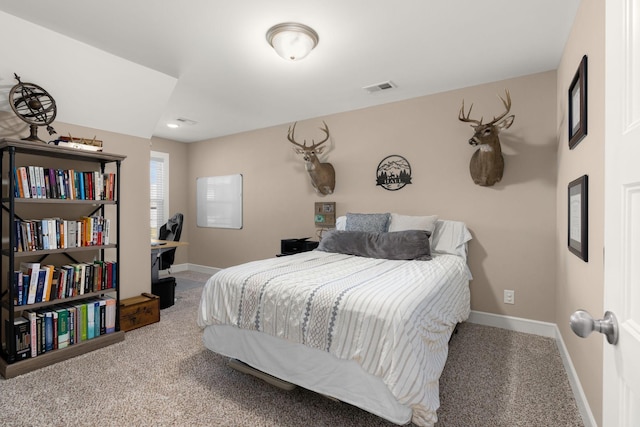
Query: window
159	190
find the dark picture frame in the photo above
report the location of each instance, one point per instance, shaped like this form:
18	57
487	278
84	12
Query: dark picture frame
578	105
578	223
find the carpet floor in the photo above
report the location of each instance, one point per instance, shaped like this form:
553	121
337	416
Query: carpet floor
162	375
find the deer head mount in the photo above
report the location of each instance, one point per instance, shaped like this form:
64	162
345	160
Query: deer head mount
323	176
487	164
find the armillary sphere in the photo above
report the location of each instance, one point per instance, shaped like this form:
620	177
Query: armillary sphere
34	105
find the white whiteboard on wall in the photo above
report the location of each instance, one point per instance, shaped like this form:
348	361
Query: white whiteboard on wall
219	201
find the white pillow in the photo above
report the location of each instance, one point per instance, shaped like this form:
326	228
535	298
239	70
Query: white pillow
450	237
341	223
411	222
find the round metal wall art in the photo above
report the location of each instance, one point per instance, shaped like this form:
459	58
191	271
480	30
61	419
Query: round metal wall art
394	172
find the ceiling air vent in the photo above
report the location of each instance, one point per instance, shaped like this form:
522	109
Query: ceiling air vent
380	86
184	121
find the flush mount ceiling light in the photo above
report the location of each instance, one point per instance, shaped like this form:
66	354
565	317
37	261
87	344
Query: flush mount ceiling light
292	41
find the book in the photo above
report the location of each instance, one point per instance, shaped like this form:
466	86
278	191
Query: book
48	330
33	330
55	281
21	337
68	191
91	320
17	287
41	277
62	191
63	327
40	332
65	282
19	247
24	182
83	322
48	282
53	183
72	234
54	314
41	182
31	269
44	226
31	173
62	282
73	323
98	318
102	309
110	310
25	288
17	190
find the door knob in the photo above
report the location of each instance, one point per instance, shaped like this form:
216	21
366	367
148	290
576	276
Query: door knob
582	324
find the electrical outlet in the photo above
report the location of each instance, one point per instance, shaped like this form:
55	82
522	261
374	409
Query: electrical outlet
509	297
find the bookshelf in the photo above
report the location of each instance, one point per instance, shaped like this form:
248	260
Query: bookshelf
77	199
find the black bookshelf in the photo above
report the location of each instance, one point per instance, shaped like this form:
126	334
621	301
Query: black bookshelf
15	153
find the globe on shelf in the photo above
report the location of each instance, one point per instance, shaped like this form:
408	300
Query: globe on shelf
33	105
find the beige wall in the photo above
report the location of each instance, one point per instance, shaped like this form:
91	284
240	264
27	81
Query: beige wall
580	284
513	223
178	188
135	262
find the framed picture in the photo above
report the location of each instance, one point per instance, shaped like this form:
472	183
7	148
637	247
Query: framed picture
578	236
578	105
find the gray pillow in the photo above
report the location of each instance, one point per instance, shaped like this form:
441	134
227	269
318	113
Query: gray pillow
396	245
375	223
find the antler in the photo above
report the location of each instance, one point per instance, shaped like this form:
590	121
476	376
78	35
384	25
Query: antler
314	145
507	105
466	118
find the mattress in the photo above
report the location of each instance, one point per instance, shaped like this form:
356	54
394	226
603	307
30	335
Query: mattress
389	321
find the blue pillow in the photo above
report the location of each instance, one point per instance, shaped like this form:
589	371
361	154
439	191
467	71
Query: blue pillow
371	223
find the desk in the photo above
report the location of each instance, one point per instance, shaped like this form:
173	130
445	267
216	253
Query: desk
157	247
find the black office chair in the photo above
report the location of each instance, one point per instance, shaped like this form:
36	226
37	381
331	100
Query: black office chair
170	231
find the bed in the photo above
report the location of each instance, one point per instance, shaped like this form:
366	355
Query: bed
365	318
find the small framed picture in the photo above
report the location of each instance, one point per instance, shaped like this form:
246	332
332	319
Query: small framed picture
578	225
578	105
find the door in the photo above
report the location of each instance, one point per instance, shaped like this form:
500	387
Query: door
621	392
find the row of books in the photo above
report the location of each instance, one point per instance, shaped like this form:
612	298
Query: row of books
57	233
35	283
62	325
37	182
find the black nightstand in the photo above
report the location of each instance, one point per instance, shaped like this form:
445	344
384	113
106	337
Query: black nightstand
296	246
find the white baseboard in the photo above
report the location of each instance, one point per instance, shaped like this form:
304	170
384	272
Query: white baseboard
516	324
176	268
545	329
202	269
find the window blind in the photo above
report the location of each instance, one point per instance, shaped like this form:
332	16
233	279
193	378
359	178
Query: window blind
159	191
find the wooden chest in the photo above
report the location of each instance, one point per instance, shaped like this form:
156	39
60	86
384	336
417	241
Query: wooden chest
139	311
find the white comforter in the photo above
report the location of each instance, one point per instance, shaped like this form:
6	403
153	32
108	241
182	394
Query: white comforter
392	317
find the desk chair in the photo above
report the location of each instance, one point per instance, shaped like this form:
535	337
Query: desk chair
165	287
170	231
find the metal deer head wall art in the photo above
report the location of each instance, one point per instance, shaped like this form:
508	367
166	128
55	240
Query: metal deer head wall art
487	164
323	176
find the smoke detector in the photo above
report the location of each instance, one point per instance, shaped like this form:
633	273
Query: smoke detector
378	87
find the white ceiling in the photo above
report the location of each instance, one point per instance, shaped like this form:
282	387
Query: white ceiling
208	60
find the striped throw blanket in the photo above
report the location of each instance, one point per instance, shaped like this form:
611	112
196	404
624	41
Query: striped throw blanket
394	318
